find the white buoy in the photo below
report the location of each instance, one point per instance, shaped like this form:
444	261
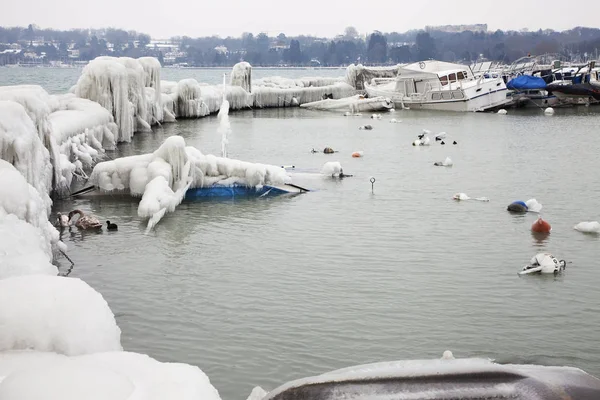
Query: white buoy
502	112
549	111
447	355
393	121
460	196
392	110
588	227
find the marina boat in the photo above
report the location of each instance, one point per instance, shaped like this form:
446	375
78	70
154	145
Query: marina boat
530	91
437	85
354	104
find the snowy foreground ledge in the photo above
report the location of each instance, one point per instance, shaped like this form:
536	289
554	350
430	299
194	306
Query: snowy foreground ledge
59	340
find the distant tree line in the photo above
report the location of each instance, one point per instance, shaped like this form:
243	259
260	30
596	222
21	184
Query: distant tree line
261	50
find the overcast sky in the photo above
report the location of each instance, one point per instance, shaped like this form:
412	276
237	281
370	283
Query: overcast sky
166	18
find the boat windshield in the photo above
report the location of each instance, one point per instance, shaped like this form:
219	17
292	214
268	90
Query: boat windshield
453	77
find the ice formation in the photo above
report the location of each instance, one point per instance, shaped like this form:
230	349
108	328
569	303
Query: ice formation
21	146
588	227
163	177
74	131
224	126
189	100
332	168
283	92
358	75
119	85
53	313
241	75
38	105
152	81
106	82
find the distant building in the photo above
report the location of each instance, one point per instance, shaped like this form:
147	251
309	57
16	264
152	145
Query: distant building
458	28
221	49
163	45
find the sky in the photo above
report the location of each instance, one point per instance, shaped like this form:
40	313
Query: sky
327	18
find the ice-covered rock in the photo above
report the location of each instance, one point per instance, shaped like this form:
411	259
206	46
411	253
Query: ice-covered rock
52	313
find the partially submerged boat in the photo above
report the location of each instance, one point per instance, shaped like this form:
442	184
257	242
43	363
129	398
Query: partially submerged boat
544	263
437	85
353	104
443	379
233	191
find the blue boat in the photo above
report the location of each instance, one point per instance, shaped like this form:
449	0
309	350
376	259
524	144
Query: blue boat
243	191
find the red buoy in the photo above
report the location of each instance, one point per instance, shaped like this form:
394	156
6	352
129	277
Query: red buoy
541	226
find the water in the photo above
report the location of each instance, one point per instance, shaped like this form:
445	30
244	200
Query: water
262	291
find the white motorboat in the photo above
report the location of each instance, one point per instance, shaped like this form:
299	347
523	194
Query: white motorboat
437	85
353	104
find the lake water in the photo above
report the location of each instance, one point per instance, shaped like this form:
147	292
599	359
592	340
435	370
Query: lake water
262	291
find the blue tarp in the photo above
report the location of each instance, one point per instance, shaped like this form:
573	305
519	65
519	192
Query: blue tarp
526	82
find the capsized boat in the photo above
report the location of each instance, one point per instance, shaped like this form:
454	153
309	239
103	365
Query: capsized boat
353	104
232	191
437	85
214	191
470	378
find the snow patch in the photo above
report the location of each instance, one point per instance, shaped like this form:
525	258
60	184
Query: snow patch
52	313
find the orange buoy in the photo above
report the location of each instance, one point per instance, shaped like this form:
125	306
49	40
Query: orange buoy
541	226
357	154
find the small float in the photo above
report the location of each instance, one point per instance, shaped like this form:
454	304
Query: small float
541	226
544	263
355	104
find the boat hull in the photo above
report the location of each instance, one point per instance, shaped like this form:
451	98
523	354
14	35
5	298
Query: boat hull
488	98
241	191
